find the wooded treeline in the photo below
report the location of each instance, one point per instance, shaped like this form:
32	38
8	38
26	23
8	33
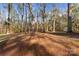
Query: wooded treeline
25	18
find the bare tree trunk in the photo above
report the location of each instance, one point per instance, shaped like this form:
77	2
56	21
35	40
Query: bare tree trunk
44	18
46	25
26	23
54	25
31	17
37	22
69	20
22	18
9	19
43	15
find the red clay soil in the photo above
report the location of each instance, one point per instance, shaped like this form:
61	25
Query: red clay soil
40	44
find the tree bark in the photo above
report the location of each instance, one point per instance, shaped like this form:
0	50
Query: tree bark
69	20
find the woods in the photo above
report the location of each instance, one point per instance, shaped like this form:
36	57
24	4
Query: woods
24	18
39	29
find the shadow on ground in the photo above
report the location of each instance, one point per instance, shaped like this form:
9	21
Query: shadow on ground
21	46
71	35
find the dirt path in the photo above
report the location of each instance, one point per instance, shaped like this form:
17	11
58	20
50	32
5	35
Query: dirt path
40	44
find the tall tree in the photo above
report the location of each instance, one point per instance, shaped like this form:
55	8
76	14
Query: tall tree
31	17
54	16
69	20
74	11
25	23
9	17
21	13
43	14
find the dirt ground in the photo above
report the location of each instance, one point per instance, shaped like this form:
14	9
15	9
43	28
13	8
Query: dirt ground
40	44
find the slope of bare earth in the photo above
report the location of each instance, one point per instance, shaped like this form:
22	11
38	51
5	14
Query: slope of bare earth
40	44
